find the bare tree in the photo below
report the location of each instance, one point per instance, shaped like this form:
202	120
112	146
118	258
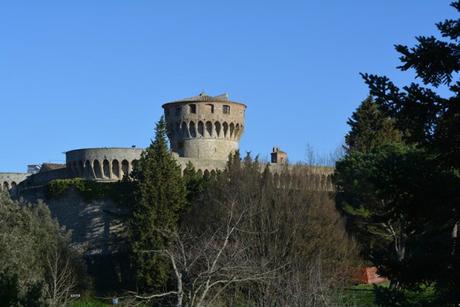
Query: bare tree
205	266
60	278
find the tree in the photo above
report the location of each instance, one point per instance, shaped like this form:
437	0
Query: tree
418	181
205	265
159	199
60	277
28	236
291	228
369	128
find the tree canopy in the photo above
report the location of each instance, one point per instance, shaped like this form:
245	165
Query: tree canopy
401	197
160	197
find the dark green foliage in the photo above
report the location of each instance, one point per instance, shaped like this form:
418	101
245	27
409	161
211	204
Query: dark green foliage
9	290
424	296
29	240
370	128
11	294
91	190
194	182
160	197
416	186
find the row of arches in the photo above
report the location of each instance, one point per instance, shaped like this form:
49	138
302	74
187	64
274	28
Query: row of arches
7	185
105	169
207	129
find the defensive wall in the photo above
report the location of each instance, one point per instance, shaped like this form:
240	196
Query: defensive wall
101	164
11	180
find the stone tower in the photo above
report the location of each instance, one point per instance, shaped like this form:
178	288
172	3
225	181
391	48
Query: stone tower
204	127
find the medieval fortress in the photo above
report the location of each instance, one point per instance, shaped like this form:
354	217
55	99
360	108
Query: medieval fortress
203	130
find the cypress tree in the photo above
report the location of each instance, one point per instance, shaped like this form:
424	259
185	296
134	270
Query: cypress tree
160	197
369	128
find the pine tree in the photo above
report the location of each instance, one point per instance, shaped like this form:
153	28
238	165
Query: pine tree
370	128
421	181
159	199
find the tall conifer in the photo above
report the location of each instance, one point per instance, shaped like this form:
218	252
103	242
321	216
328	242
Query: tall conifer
159	198
370	127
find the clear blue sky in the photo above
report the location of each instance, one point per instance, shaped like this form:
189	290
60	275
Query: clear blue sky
91	73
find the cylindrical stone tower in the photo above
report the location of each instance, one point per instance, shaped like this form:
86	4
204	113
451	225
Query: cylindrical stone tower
204	127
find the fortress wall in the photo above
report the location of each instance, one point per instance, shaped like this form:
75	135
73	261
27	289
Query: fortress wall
96	225
102	164
9	181
202	165
209	149
318	177
41	178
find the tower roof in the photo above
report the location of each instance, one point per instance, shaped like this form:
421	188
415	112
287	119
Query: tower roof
203	97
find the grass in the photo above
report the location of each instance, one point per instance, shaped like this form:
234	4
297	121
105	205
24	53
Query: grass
89	302
359	295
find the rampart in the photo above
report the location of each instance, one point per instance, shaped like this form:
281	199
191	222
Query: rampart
102	164
11	180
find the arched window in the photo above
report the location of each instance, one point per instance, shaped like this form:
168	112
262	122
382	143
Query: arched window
232	129
124	168
225	126
106	168
237	130
192	129
209	128
135	163
116	168
200	128
97	169
217	127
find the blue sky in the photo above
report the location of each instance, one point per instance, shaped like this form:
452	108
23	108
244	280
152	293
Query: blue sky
88	73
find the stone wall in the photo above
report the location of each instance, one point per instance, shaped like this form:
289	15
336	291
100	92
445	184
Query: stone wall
102	164
9	181
96	225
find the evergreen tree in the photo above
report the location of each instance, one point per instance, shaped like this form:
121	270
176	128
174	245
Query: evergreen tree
159	199
194	182
370	128
420	182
